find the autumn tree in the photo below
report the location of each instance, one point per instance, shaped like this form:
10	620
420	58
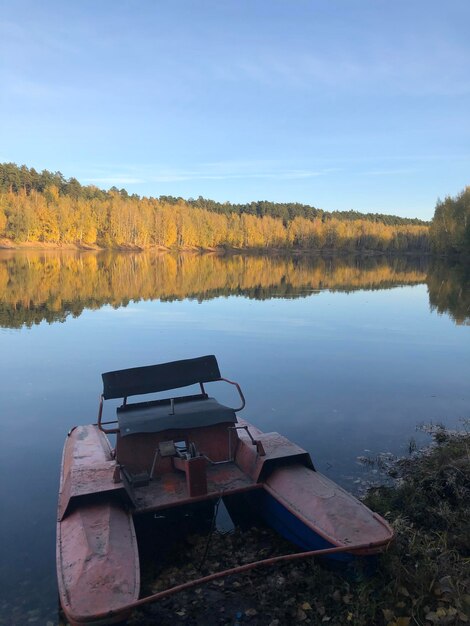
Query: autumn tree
450	227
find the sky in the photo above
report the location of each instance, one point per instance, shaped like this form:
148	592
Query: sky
339	104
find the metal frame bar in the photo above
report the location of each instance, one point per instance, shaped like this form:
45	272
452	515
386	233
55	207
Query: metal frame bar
256	442
107	431
231	382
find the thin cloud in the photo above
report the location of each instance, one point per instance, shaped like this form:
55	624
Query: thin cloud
215	171
416	68
234	171
186	176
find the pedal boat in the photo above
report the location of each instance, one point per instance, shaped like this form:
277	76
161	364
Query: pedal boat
176	452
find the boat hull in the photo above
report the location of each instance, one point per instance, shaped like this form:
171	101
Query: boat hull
97	554
315	513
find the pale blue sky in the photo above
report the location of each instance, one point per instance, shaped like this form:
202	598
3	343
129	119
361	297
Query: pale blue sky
341	104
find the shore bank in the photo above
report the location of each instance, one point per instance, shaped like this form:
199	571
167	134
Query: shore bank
9	244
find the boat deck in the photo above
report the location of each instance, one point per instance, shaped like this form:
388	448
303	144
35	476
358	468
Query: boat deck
171	489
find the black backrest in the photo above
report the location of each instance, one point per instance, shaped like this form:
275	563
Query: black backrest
153	378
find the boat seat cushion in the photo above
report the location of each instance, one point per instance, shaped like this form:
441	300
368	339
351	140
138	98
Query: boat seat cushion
189	412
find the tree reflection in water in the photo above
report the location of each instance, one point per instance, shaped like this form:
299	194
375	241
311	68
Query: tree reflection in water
38	286
449	289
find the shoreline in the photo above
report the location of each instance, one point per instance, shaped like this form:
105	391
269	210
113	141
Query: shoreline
10	245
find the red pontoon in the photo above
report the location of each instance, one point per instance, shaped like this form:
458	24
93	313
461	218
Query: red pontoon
177	452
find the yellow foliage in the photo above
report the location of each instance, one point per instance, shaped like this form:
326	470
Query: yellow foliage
144	222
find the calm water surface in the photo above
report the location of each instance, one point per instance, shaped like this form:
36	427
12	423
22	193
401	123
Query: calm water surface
344	357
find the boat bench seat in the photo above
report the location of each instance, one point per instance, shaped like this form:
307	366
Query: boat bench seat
191	411
160	415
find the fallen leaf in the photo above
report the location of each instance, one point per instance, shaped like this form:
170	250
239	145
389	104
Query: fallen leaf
445	584
306	606
432	617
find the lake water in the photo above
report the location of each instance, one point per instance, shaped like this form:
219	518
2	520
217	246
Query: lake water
345	357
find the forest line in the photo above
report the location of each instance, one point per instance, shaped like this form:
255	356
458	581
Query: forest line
45	208
117	222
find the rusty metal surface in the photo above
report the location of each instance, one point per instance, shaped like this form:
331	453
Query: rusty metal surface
195	471
137	452
86	445
326	508
97	561
97	555
171	489
88	467
276	448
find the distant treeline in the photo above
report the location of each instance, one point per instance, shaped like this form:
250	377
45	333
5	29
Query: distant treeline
450	227
287	211
45	207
